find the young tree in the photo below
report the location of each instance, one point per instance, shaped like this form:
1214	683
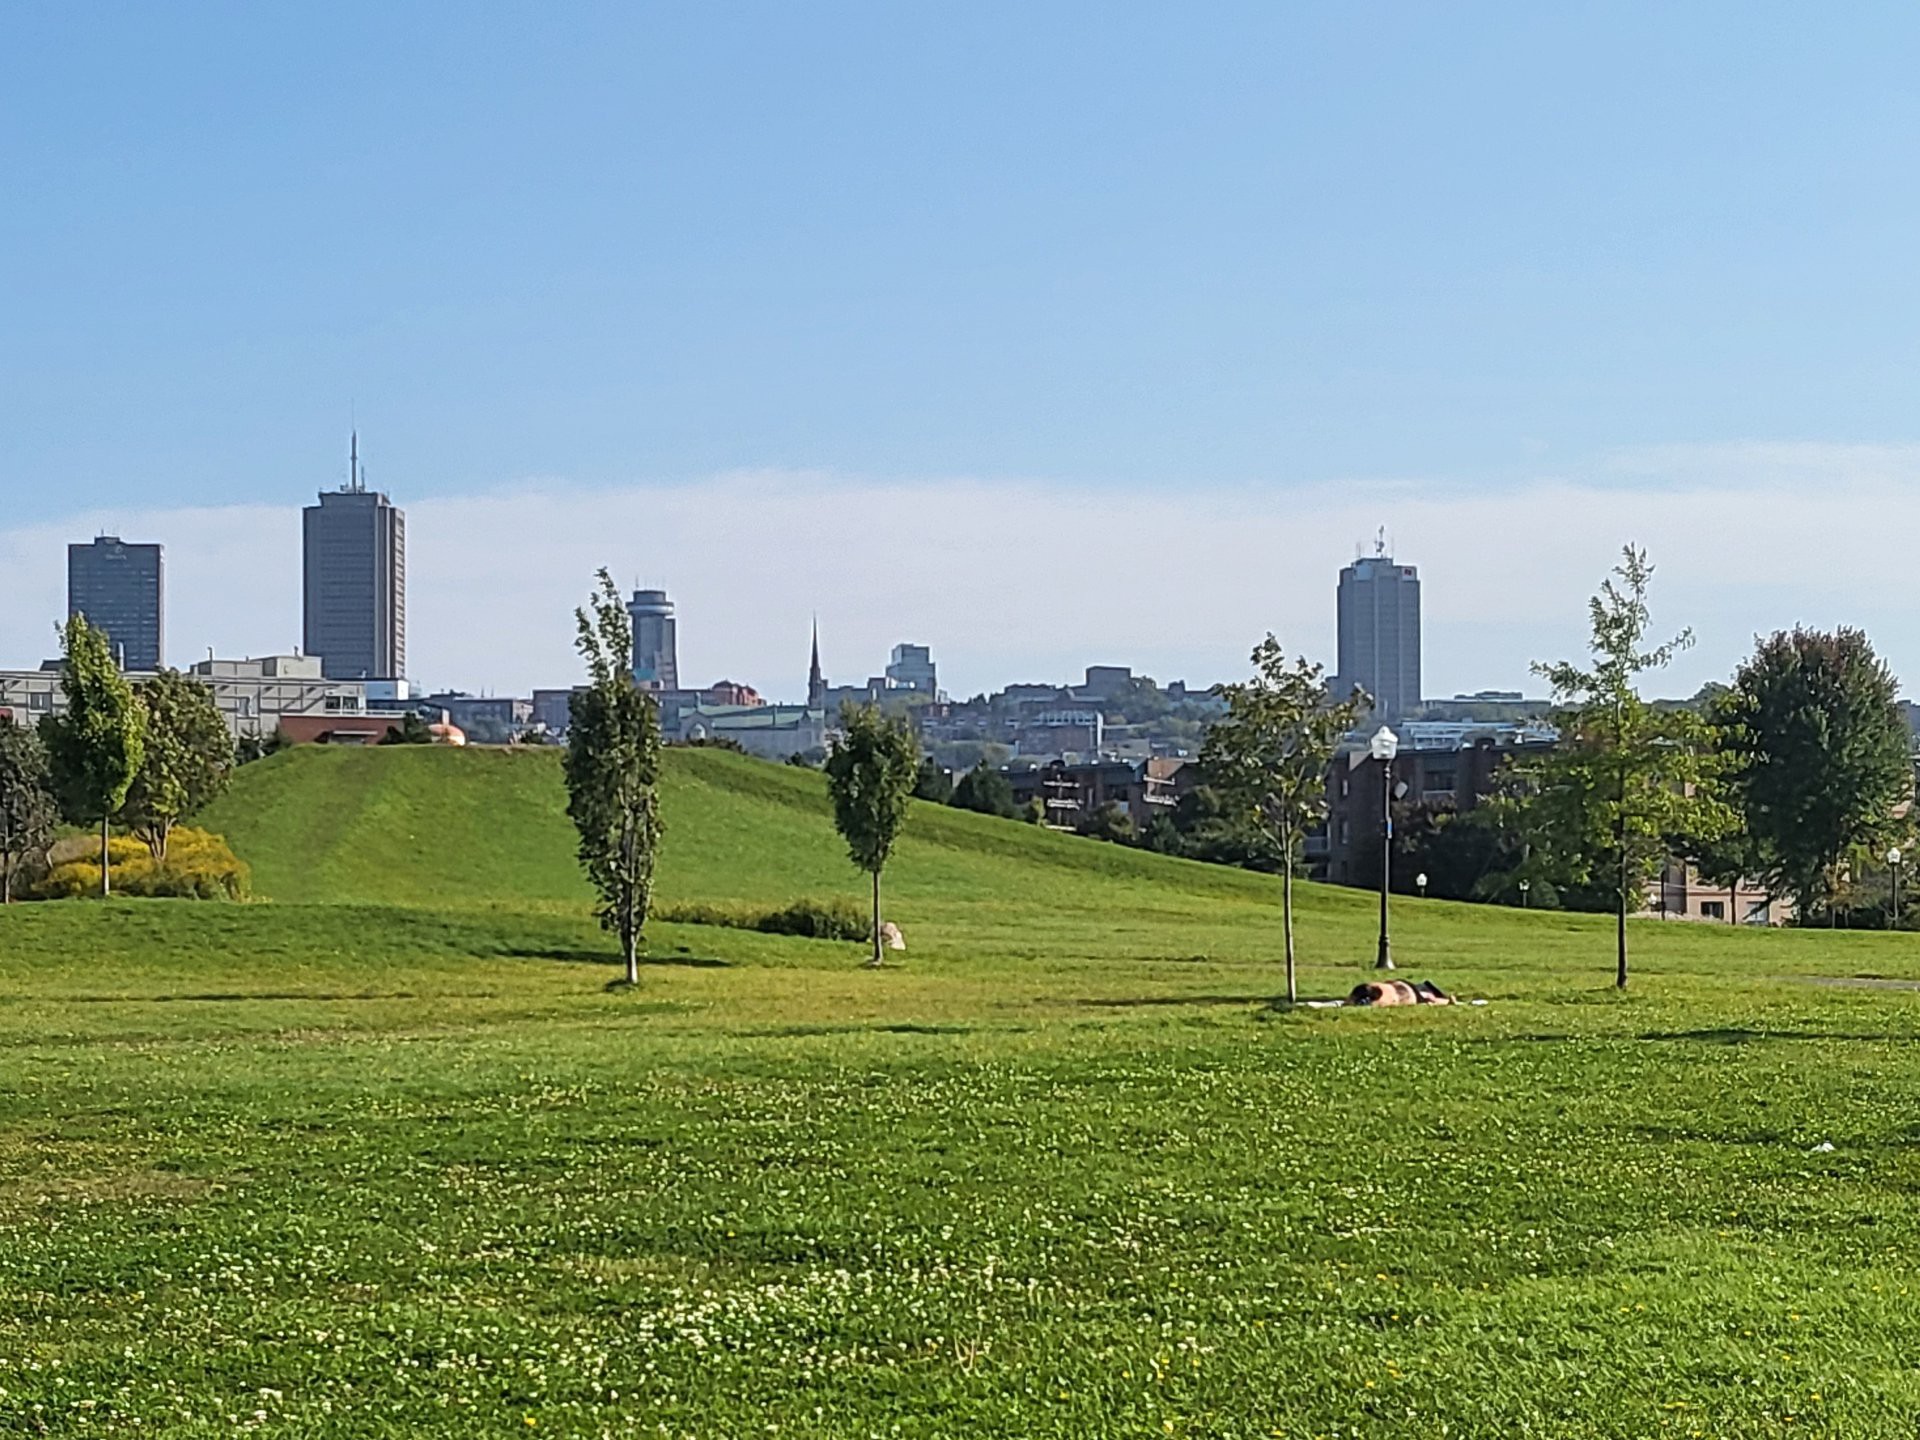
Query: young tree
870	775
188	758
95	749
1266	759
27	809
1626	776
613	770
1820	757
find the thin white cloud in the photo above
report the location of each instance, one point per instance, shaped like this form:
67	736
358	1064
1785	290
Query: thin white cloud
1012	580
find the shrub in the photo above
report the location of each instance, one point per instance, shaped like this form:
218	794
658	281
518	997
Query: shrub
199	866
834	919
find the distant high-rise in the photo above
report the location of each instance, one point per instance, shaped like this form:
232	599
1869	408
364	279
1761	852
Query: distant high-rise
121	589
1380	633
912	668
656	664
356	581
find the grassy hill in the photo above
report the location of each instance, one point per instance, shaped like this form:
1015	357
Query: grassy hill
385	1155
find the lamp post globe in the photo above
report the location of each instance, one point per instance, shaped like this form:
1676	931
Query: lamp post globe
1893	860
1420	884
1383	747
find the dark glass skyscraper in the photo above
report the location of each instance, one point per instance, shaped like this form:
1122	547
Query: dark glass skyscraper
1380	634
656	663
121	589
355	550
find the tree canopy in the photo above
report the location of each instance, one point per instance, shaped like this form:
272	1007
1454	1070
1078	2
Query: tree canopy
986	791
1821	758
612	770
186	760
1266	759
95	749
871	771
27	809
1601	808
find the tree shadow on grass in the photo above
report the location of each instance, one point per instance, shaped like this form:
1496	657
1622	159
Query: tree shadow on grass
1738	1036
682	957
1140	1002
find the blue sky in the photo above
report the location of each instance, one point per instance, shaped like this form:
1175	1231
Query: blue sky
1250	256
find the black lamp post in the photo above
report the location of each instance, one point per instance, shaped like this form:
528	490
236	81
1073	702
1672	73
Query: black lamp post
1384	746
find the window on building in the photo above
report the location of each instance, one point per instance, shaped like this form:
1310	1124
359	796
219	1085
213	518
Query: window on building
1713	909
1440	779
40	700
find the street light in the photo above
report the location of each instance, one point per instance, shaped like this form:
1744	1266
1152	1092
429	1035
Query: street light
1525	886
1383	747
1893	859
1420	880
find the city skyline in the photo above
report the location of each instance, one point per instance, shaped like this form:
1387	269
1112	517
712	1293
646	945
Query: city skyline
757	555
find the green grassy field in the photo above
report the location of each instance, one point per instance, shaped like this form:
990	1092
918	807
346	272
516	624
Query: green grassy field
386	1155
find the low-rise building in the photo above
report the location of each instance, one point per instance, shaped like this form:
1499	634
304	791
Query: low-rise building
254	695
773	732
1070	793
1441	766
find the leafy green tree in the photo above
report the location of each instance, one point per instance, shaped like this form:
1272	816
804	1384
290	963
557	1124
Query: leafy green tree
1110	822
1602	807
933	784
1266	760
1821	758
94	750
985	791
1214	830
187	759
871	771
613	771
27	808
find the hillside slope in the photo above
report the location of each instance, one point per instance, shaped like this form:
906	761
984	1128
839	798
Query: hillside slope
487	828
412	825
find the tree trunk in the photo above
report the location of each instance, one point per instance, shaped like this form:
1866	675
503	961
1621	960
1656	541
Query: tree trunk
1620	919
874	963
629	898
106	855
1286	913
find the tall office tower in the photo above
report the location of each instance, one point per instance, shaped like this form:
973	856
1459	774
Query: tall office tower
356	581
1380	633
912	668
655	662
121	589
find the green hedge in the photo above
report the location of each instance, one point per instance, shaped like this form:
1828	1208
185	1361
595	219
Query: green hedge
832	919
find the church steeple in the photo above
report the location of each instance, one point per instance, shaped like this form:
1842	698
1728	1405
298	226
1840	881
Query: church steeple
816	682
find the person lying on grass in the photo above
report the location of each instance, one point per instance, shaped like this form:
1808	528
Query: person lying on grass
1398	992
